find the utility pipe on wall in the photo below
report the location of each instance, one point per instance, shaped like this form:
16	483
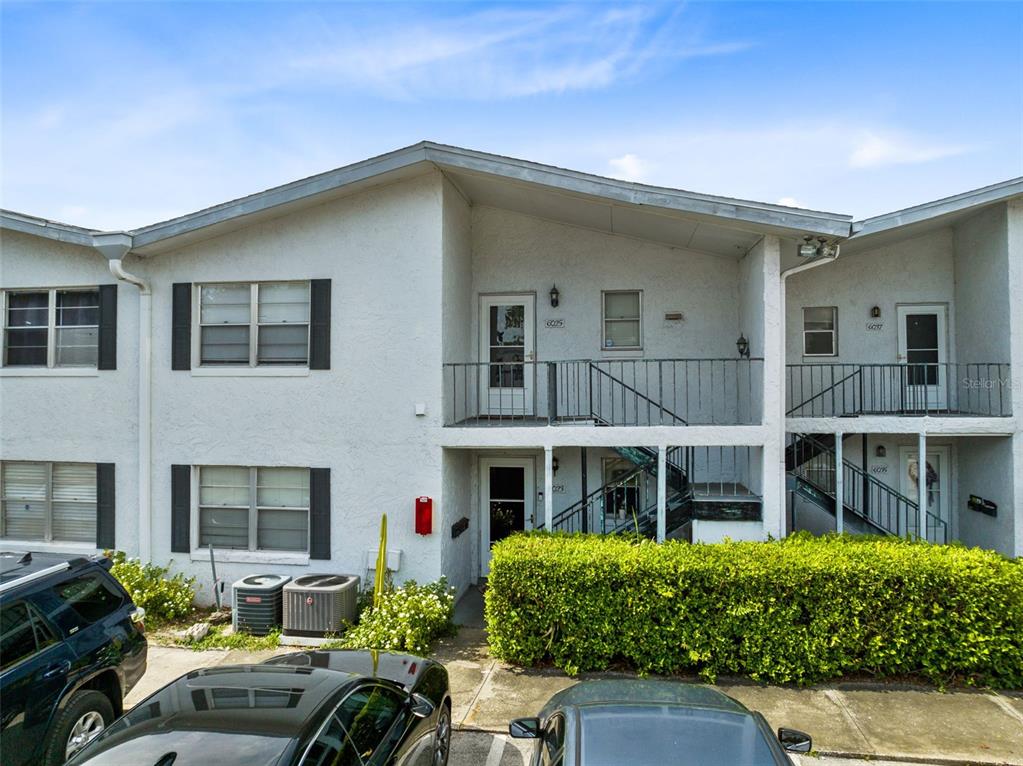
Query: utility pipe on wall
114	246
811	264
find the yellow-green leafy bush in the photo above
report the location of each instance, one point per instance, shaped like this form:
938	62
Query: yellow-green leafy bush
799	610
408	619
164	597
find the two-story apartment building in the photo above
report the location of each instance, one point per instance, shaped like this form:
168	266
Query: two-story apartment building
516	346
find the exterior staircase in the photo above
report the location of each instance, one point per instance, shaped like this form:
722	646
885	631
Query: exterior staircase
591	513
870	506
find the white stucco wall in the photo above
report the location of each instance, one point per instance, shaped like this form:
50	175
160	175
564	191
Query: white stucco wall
53	416
356	418
985	469
981	277
916	270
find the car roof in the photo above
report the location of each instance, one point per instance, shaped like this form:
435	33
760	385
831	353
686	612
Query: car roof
618	691
249	714
402	669
28	566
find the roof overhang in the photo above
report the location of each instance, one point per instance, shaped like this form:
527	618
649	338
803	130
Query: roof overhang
41	227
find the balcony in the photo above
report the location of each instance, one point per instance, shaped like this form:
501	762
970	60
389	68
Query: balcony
627	392
934	389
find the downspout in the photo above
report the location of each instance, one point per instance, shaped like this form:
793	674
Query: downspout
811	264
114	246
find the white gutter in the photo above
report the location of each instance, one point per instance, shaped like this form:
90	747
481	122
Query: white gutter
114	246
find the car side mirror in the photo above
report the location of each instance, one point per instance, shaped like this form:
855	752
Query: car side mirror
524	728
795	741
421	707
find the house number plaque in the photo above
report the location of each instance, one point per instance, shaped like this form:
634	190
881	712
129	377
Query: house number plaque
879	468
555	323
875	326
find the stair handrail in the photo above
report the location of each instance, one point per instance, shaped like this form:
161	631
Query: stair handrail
650	509
832	387
593	366
859	475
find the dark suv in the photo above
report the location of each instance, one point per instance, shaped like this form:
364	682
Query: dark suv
71	646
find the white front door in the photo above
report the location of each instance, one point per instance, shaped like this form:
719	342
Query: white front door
938	485
922	345
507	501
507	348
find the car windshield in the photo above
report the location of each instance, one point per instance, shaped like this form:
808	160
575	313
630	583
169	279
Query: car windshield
660	735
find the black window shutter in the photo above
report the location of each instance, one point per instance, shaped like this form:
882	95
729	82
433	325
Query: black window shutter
104	500
319	513
107	327
181	327
319	325
181	508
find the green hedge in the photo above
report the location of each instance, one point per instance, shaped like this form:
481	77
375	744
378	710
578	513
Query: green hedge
799	610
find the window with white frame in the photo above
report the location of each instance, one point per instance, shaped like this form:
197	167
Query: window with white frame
50	502
51	327
255	509
254	324
622	319
820	335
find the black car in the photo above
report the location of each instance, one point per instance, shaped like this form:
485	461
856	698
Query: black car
72	645
314	708
645	722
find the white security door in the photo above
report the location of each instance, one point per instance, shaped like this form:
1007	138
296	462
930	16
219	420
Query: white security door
507	348
937	478
507	502
922	346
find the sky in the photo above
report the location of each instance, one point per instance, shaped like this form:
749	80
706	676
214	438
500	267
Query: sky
115	115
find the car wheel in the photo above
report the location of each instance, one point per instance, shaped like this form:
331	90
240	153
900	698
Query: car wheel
442	737
86	714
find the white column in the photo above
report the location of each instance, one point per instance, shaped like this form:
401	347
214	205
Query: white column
921	481
662	493
548	488
839	485
772	466
1014	213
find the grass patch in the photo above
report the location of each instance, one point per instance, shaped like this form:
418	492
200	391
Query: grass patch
216	639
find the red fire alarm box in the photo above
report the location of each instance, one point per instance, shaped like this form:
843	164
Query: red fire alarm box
424	515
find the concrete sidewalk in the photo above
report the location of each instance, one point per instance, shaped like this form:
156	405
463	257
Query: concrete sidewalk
869	721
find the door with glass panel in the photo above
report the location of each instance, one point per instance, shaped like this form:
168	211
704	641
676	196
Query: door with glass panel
937	485
507	504
922	347
507	348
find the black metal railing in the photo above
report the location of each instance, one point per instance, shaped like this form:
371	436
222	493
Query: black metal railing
870	500
946	388
626	392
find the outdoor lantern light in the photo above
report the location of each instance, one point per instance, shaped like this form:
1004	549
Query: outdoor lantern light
554	464
554	296
808	249
880	451
875	312
743	345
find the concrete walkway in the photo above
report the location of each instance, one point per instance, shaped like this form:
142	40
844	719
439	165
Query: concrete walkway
868	721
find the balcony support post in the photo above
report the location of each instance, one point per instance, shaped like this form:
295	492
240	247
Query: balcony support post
662	493
585	494
839	485
921	482
548	488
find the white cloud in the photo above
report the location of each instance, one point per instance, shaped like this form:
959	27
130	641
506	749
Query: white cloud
874	150
628	167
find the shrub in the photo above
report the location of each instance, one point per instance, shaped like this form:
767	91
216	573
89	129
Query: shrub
799	610
150	586
409	619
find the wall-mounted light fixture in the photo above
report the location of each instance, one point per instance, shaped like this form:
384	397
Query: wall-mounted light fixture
875	313
743	346
821	249
554	464
555	296
880	451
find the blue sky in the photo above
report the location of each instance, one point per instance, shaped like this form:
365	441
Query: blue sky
115	115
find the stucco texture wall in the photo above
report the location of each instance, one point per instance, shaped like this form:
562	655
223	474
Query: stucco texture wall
986	470
382	251
54	417
981	279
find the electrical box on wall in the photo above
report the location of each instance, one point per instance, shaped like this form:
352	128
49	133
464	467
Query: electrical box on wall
424	515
